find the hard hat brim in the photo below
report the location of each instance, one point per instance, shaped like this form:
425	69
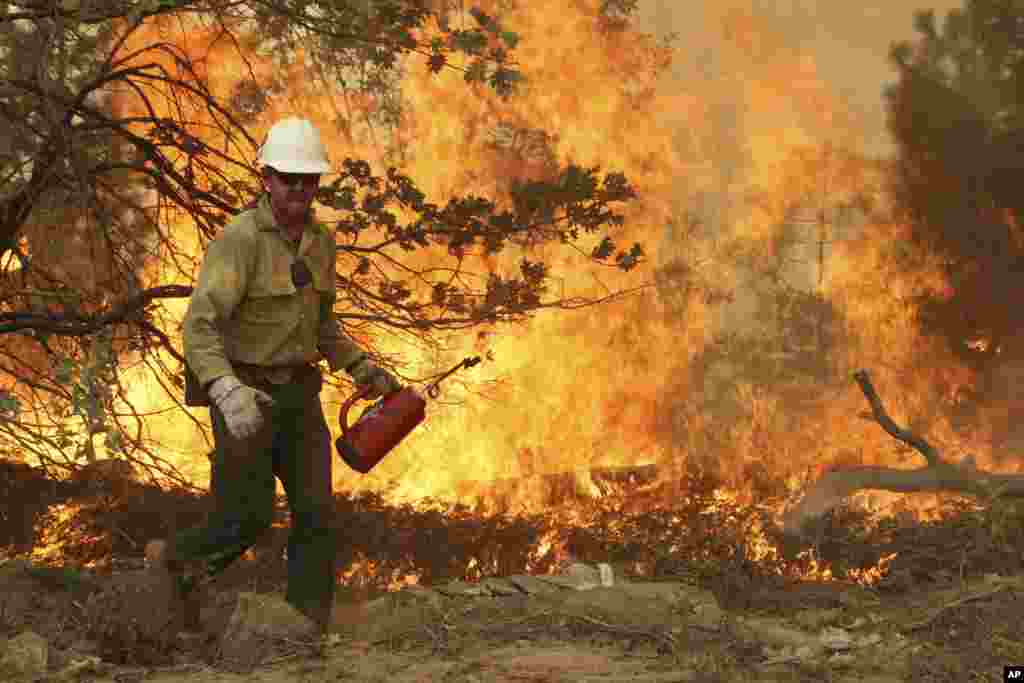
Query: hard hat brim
317	167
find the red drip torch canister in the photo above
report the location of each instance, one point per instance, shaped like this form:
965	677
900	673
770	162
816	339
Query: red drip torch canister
379	429
383	426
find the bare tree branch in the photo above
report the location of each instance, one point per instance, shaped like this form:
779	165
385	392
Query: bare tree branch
76	324
937	475
889	425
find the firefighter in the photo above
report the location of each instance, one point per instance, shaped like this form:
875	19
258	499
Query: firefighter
259	320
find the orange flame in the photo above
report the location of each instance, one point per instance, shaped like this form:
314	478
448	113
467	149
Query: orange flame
612	386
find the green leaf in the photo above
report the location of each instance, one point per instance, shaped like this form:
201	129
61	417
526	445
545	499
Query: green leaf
485	20
8	405
470	42
618	8
113	441
436	62
140	9
476	72
65	371
603	250
629	260
511	39
504	80
78	399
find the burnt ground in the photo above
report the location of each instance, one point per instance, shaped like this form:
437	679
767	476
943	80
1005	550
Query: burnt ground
936	632
945	608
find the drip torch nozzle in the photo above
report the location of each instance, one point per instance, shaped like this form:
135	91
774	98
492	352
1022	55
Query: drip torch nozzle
434	388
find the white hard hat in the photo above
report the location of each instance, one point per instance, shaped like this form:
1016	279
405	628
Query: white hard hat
293	146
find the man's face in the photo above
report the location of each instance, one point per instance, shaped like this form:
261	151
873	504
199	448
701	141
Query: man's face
291	194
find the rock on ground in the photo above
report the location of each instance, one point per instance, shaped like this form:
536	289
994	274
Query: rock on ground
616	606
531	585
388	617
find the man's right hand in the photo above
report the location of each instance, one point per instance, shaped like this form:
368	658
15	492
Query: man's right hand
240	405
375	380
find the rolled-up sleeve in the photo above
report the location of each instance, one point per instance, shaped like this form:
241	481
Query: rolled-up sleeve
222	283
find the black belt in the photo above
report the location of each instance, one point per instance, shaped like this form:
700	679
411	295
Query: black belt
272	374
272	368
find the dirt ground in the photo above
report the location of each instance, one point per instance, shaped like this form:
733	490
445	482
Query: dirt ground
945	610
639	630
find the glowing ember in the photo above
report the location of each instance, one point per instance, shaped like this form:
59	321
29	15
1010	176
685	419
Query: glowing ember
873	575
53	536
364	572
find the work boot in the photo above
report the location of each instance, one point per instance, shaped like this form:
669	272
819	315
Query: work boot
161	563
321	616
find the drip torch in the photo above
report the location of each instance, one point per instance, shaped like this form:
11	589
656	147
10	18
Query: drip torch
383	425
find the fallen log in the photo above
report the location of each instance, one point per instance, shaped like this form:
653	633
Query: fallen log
938	475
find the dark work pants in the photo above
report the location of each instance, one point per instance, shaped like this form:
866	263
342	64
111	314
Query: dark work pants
293	445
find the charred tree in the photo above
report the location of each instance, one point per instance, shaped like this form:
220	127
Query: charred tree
938	474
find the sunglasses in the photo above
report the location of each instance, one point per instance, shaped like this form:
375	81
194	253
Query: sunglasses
298	179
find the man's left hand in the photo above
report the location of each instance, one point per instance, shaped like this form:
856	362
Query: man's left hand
380	381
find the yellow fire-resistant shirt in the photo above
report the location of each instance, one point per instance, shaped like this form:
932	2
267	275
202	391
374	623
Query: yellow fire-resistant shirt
246	309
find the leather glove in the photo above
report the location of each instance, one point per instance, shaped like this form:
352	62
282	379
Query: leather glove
366	373
240	405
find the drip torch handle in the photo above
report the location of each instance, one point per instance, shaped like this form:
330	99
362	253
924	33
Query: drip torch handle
347	406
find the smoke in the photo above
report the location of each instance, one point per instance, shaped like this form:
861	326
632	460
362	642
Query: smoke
776	75
848	42
793	100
